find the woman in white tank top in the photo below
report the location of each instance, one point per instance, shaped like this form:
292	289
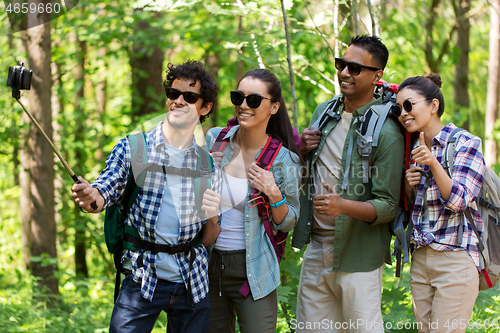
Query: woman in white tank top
243	253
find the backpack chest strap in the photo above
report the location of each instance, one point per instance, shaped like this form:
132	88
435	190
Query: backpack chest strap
156	248
171	170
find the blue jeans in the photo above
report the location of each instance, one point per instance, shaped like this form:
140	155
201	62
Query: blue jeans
133	313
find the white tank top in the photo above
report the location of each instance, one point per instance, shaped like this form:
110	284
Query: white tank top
233	200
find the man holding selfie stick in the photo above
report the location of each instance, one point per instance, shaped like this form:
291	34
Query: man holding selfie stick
164	275
345	213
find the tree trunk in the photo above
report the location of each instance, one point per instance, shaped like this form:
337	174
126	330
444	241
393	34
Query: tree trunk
79	105
146	60
43	242
290	66
491	146
25	175
101	100
461	83
336	41
434	63
213	64
429	40
57	133
25	199
14	130
240	65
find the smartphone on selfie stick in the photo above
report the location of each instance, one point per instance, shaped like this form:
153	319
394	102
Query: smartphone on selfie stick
19	78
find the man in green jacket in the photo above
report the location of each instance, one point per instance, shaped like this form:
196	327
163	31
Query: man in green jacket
346	222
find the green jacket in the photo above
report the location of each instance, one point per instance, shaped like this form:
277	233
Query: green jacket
359	246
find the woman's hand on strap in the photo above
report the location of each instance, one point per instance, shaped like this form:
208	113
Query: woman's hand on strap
263	181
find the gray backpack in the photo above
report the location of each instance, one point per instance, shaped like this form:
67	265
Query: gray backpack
488	203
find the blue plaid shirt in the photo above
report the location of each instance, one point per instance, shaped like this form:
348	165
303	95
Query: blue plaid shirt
446	216
144	212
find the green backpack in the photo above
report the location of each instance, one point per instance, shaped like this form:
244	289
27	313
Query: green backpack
120	236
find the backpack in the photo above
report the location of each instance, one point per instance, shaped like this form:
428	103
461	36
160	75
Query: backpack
370	125
488	203
265	160
402	222
118	235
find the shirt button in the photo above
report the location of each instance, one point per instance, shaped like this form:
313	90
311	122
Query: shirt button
316	153
156	206
249	275
325	132
248	235
308	223
248	256
247	215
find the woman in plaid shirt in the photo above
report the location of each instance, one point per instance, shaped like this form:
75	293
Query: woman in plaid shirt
445	266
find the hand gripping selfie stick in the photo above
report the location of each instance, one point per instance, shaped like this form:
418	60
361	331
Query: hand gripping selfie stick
20	78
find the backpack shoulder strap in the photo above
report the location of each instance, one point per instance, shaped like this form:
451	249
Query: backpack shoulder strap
220	143
265	161
449	149
269	153
370	125
328	113
138	155
202	183
384	111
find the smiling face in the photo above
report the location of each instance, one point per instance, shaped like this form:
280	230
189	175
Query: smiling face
181	114
422	110
247	116
358	86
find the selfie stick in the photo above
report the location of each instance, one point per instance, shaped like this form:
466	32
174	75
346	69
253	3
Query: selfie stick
66	166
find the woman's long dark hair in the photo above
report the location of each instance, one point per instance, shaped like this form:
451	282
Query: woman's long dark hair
279	125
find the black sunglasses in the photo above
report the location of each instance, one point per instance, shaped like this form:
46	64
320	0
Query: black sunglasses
253	100
189	96
407	105
353	67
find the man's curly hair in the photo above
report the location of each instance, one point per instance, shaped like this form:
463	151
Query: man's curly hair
194	70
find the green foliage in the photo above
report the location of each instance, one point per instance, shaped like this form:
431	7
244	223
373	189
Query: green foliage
208	31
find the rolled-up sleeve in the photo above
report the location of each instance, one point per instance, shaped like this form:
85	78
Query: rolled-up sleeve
467	176
113	179
289	171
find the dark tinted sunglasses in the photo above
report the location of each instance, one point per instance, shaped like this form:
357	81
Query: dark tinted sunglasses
407	105
353	67
189	96
253	100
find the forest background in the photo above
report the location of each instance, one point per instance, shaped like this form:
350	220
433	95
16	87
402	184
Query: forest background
98	76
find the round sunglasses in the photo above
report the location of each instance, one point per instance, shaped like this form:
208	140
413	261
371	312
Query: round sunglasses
353	67
407	105
253	100
189	96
